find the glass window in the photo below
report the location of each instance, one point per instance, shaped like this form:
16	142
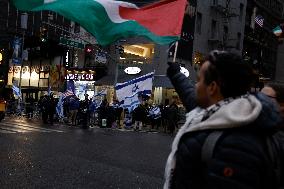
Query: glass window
241	12
213	29
226	32
215	2
239	40
199	23
137	54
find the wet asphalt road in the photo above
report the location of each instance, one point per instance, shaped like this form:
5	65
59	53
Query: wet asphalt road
63	157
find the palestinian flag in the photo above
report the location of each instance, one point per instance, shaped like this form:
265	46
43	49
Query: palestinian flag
110	20
277	31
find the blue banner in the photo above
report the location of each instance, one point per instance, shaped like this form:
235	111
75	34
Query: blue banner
17	51
71	86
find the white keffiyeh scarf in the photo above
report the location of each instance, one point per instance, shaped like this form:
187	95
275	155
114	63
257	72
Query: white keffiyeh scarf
228	113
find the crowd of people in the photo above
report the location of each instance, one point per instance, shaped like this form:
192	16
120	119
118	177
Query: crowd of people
92	112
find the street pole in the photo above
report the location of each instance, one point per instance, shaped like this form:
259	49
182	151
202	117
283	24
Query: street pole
116	73
175	53
22	61
24	26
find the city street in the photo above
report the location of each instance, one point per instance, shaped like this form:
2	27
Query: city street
33	155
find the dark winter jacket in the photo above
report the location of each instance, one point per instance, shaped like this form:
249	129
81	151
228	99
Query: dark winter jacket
185	89
240	159
139	113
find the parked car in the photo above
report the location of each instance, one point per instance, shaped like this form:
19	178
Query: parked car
2	109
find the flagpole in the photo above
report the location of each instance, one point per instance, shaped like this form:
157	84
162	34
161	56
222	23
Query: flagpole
22	61
175	53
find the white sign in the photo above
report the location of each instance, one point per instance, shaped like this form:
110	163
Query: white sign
67	59
184	71
132	70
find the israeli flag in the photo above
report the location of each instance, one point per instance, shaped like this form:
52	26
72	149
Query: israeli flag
131	102
101	93
59	106
82	89
129	92
49	90
17	91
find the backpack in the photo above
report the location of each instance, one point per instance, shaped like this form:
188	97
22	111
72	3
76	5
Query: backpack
275	146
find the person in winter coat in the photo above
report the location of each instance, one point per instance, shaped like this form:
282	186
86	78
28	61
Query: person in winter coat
155	116
139	116
44	106
51	108
221	101
103	113
73	106
275	91
171	112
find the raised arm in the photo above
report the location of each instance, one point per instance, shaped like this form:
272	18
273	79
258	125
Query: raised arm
183	86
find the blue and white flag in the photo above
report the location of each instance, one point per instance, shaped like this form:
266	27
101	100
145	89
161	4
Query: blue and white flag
49	90
101	93
71	86
131	102
17	91
82	89
128	92
17	51
59	106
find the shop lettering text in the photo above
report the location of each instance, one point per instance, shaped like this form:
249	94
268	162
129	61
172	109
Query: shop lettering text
79	76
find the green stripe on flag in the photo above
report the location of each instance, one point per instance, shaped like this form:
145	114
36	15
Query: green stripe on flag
92	16
27	5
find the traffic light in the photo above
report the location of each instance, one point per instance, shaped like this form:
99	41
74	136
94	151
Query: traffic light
89	50
43	34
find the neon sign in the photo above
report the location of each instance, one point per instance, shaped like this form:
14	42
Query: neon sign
80	77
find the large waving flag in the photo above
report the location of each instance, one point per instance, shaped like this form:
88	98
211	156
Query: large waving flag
110	20
59	106
17	91
128	92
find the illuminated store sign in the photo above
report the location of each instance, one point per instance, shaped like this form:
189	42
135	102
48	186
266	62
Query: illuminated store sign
80	77
67	59
132	70
1	57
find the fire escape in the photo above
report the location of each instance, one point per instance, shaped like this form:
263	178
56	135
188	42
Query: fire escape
220	26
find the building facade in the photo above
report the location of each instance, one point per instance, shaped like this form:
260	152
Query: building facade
30	46
38	49
260	43
219	24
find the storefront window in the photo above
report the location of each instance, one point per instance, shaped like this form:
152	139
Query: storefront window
137	54
31	76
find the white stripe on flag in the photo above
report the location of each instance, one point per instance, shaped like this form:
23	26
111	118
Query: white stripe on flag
129	88
131	102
